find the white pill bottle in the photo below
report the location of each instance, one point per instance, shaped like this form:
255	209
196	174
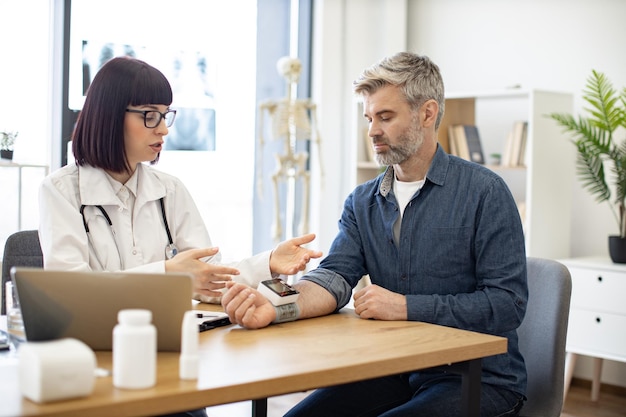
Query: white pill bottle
134	350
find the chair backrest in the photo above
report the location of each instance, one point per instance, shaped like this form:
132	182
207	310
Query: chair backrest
542	336
21	249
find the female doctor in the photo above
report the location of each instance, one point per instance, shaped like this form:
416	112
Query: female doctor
111	212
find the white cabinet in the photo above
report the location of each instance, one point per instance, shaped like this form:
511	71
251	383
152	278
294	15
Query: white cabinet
598	312
542	189
597	320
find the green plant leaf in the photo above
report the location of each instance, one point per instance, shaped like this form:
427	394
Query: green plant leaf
593	136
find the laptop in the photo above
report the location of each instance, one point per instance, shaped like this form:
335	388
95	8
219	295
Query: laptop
84	305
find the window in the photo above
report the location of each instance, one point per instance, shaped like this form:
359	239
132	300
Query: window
182	37
241	42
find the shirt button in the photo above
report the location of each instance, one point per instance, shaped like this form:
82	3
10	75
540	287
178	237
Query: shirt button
134	252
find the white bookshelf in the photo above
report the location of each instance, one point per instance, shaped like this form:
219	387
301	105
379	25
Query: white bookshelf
543	188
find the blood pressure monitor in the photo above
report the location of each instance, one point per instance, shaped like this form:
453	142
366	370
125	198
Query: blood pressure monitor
278	292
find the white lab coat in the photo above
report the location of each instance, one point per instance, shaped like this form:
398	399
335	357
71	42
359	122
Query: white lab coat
140	237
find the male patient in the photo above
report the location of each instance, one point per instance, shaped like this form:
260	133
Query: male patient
442	242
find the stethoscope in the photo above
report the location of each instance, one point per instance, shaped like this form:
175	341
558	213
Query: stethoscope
170	249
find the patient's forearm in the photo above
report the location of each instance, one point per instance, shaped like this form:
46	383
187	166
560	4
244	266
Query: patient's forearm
314	300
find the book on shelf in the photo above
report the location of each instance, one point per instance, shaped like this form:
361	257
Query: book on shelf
459	144
472	138
506	154
452	141
515	147
467	143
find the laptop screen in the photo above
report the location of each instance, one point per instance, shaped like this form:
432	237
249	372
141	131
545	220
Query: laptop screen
84	305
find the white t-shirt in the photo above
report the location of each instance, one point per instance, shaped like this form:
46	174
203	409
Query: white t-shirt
403	192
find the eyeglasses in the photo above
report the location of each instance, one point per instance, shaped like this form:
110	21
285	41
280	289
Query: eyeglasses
152	118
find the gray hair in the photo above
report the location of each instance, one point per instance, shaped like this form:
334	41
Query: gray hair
416	75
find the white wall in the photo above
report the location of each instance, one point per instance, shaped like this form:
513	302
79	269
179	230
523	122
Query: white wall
479	45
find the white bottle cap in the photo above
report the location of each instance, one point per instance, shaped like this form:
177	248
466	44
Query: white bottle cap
134	316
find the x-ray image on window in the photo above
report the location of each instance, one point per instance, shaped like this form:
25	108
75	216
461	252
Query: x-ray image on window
192	79
193	130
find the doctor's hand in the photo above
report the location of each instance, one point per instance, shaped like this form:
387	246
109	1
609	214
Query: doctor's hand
247	307
208	278
289	257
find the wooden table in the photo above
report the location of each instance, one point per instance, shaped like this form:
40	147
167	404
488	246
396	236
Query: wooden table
238	364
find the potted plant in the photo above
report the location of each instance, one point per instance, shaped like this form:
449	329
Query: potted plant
601	157
495	158
7	141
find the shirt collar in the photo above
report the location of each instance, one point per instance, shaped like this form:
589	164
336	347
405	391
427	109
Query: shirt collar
97	188
436	172
131	184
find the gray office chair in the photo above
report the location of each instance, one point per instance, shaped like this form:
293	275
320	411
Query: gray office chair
542	336
21	249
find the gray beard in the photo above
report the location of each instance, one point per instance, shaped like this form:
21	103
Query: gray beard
409	143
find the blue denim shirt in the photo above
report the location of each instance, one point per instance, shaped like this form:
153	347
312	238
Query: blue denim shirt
460	261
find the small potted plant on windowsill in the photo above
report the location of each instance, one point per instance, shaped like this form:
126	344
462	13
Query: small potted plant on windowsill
601	157
7	141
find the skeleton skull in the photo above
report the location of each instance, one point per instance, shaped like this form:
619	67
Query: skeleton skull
289	68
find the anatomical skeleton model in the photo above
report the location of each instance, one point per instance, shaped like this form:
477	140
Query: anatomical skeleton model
293	120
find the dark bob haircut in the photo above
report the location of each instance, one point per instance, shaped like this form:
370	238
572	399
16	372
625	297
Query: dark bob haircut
98	138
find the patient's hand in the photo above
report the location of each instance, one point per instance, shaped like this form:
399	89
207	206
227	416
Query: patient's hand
247	307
